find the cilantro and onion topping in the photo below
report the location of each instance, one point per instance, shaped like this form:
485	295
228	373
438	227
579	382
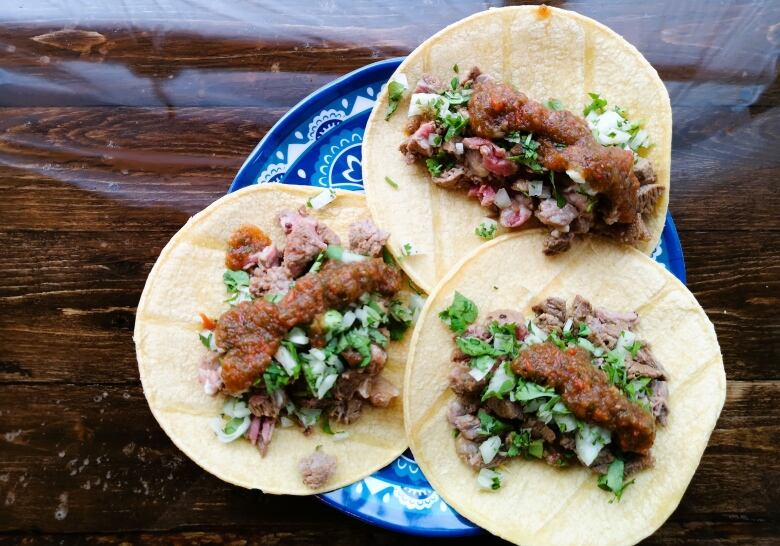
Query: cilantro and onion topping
517	417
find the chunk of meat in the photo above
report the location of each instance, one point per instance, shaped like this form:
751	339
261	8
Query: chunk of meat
659	400
430	84
506	409
367	239
494	158
462	383
550	214
485	193
267	425
644	172
539	429
348	383
451	178
382	392
516	214
581	309
467	424
475	169
306	238
209	374
268	257
646	358
271	280
244	242
266	405
468	452
346	411
418	143
557	242
317	469
378	360
648	196
551	314
623	319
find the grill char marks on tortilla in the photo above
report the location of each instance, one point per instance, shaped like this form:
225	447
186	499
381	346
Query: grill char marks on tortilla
586	391
250	332
496	109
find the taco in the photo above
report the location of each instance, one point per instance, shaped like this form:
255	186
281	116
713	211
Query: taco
516	118
270	340
551	407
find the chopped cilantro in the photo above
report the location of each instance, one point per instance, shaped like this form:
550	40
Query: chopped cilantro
206	339
233	424
520	443
455	68
597	105
489	425
559	199
474	346
391	182
486	229
613	479
460	314
275	377
315	267
455	123
529	156
273	298
395	91
234	280
454	83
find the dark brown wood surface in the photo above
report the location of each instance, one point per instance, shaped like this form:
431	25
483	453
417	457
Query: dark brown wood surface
118	120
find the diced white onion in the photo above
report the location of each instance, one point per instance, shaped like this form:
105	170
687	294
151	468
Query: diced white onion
478	374
400	78
297	336
502	199
286	359
576	176
486	477
588	346
625	339
489	448
567	326
535	188
218	427
535	335
348	320
421	103
349	257
325	384
565	422
341	436
308	416
322	199
285	422
641	139
459	148
589	442
235	407
317	354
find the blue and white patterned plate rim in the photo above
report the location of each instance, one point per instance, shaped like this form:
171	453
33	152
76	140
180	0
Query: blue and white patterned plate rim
300	145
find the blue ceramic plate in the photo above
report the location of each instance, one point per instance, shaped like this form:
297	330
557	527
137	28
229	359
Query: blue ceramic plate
318	143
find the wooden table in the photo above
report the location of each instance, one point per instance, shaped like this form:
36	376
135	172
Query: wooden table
121	119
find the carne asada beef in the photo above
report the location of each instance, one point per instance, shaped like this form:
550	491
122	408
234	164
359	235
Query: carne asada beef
317	469
367	239
573	174
574	384
312	345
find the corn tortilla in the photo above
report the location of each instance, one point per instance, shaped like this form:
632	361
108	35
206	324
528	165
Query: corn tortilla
539	504
187	280
546	53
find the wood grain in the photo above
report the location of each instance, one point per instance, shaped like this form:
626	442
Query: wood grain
99	448
119	120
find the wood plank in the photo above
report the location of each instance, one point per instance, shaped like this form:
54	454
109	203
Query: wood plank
98	451
134	54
